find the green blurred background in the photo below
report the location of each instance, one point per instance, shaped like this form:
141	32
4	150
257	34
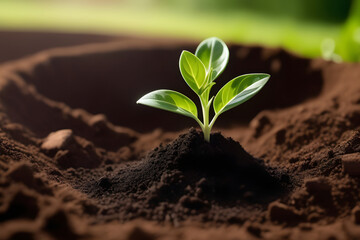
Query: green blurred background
312	28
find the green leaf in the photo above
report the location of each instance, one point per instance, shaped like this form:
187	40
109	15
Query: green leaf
192	70
171	101
239	90
214	53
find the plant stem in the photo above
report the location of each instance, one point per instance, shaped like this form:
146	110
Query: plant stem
205	110
207	128
213	120
206	131
205	105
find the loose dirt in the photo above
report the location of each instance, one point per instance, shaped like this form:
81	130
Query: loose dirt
80	160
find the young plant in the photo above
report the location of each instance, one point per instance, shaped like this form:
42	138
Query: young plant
199	72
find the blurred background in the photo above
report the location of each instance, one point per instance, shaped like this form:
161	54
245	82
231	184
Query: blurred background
311	28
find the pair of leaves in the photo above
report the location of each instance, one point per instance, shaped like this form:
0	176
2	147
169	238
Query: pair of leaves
201	69
234	93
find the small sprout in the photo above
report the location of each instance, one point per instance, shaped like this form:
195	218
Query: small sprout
199	72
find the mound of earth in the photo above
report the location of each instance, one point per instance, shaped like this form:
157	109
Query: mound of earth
217	181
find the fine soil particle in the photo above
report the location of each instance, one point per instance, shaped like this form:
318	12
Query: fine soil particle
74	165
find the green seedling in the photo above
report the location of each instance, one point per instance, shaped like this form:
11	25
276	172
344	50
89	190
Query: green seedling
199	72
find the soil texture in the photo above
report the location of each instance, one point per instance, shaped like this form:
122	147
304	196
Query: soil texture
189	178
80	160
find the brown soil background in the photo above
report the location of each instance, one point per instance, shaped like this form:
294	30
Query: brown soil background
80	160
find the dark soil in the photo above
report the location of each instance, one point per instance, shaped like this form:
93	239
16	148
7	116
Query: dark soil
217	182
80	160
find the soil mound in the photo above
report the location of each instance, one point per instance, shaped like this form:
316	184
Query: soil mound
189	177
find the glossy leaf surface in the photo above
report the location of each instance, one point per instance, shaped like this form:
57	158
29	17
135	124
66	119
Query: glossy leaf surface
171	101
214	54
239	90
192	70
